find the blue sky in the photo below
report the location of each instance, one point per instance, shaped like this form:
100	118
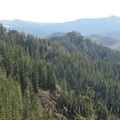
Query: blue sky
57	10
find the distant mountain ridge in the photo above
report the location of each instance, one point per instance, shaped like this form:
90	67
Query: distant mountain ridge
106	41
114	35
86	26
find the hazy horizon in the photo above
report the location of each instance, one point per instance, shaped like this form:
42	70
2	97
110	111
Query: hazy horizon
57	22
57	10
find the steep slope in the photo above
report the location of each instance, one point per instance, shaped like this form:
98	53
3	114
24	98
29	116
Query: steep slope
116	46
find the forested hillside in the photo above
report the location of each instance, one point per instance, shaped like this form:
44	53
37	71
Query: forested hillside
75	42
87	74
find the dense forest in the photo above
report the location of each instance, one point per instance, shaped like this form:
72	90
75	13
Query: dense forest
87	74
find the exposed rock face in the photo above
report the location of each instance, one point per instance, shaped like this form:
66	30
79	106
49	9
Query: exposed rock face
51	100
116	46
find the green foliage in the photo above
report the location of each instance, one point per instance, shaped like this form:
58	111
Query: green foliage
28	64
75	42
79	117
51	79
10	98
102	112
